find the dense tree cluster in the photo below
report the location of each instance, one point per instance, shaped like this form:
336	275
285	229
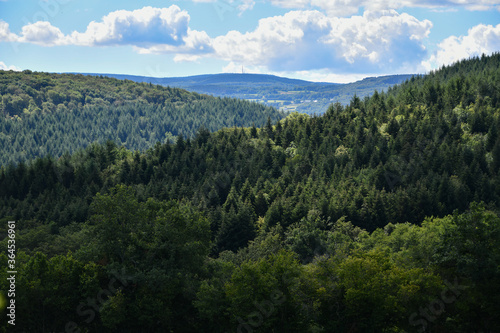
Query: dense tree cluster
45	114
361	220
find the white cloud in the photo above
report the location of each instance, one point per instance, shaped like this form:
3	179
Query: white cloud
5	34
277	38
378	36
479	39
142	27
313	43
148	30
42	33
4	67
310	40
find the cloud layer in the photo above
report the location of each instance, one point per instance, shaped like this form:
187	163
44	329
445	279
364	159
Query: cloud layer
142	27
378	41
298	40
304	40
148	29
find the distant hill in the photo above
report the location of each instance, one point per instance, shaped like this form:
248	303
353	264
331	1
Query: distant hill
219	79
287	94
50	114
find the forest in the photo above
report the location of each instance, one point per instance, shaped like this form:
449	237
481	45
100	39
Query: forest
298	95
45	114
378	216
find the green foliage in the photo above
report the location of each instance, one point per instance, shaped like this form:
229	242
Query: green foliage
471	250
378	295
49	291
161	246
260	295
45	114
361	220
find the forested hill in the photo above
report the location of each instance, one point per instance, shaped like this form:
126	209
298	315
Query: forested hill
288	94
240	80
44	114
378	216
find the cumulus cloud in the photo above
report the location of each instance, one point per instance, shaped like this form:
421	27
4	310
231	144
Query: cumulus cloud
308	40
479	39
142	27
42	33
276	42
311	42
148	30
5	34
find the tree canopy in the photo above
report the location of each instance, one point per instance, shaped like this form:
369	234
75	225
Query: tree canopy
44	114
378	216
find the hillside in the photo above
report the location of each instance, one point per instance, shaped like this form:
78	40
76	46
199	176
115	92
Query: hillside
220	79
378	216
50	114
287	94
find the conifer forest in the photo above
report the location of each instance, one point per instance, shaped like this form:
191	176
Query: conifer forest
143	208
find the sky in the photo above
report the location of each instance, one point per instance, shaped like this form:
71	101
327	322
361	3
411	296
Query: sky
317	40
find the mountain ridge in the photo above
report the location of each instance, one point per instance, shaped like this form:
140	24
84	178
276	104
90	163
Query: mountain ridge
284	93
207	78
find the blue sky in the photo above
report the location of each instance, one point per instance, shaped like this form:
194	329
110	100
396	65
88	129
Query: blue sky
318	40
